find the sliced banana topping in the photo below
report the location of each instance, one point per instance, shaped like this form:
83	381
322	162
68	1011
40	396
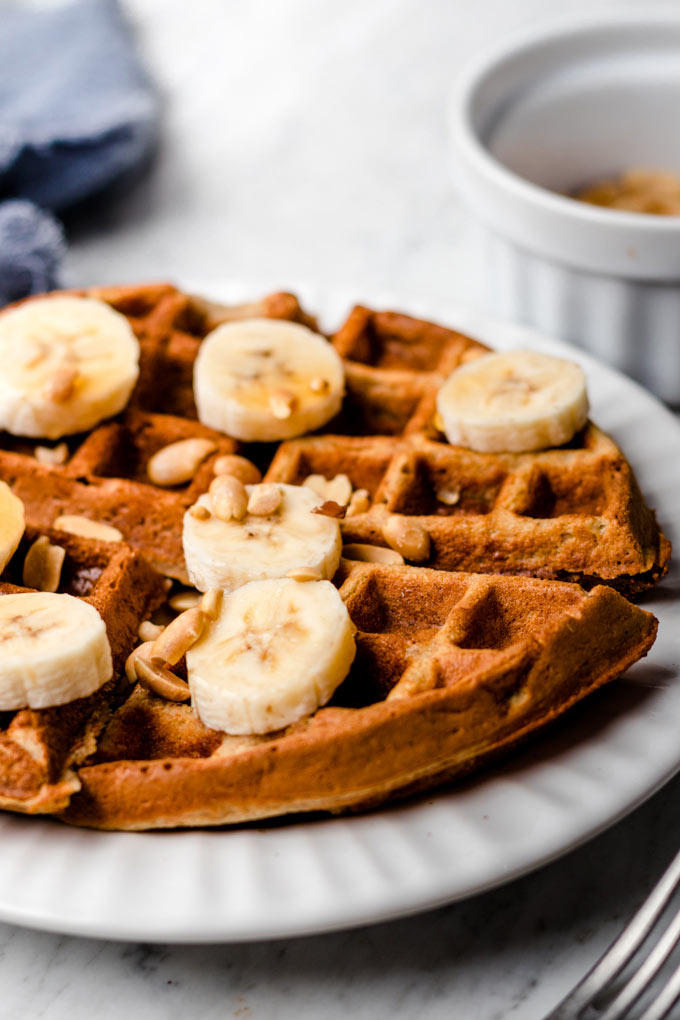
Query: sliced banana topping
227	553
514	402
266	379
68	363
11	524
276	652
54	650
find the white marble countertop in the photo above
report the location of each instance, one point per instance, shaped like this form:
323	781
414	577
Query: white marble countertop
306	140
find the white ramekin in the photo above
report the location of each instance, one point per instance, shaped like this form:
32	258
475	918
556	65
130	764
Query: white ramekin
544	114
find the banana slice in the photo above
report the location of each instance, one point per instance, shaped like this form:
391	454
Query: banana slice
277	651
513	402
68	363
227	554
11	524
54	649
264	379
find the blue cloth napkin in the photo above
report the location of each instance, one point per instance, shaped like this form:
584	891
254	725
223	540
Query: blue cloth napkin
77	112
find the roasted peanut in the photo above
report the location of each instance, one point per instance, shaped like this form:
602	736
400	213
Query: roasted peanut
282	403
62	384
211	603
229	498
264	500
359	503
448	495
305	574
53	456
178	637
130	671
408	538
185	599
149	631
199	512
239	467
178	462
338	489
75	524
157	678
371	554
42	566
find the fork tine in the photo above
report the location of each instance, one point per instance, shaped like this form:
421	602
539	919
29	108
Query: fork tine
643	977
661	1006
622	949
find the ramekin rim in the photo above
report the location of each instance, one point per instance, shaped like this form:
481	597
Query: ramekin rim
465	137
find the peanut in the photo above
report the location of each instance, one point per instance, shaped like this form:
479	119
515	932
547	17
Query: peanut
130	662
75	524
177	463
371	554
229	498
408	538
264	500
211	603
157	678
53	456
305	574
187	598
199	512
42	566
149	631
240	467
448	495
359	503
178	637
281	403
337	489
62	384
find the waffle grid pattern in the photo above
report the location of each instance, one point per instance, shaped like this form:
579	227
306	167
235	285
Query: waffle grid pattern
573	514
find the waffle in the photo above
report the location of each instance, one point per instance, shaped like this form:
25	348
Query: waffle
457	659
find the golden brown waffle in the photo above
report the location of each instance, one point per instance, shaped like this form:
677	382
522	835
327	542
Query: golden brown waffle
451	669
574	513
470	661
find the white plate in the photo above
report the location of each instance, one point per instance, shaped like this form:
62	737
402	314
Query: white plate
294	879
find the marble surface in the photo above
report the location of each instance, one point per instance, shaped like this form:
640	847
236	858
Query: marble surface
306	140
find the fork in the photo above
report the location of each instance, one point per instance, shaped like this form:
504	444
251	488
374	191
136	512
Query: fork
598	996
